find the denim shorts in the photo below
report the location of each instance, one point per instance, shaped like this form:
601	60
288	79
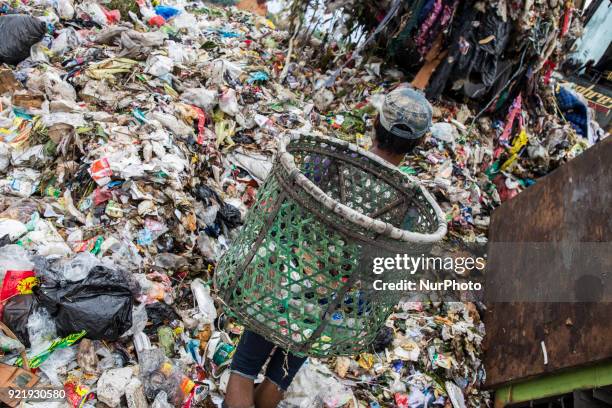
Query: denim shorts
252	353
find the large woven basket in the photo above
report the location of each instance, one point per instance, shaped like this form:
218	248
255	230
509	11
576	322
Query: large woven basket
299	272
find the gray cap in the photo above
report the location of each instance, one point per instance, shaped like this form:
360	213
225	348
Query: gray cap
407	107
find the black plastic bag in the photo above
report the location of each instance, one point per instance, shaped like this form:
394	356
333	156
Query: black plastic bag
206	194
15	315
159	314
101	304
229	215
18	34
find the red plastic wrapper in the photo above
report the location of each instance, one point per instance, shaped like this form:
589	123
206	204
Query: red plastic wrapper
76	393
113	16
201	123
156	21
101	195
100	171
16	283
401	400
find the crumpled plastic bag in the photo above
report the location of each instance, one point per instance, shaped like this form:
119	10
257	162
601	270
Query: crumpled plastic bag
186	21
316	386
66	40
203	98
170	122
95	11
20	182
74	119
180	54
56	88
16	313
228	102
5	156
159	66
45	240
64	8
77	268
101	304
19	33
134	44
257	165
444	132
221	68
201	294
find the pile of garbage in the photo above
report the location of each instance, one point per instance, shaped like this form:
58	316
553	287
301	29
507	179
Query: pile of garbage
132	143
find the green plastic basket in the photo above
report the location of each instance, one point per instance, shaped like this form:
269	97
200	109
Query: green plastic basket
299	272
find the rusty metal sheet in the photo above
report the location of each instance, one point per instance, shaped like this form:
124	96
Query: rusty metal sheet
572	203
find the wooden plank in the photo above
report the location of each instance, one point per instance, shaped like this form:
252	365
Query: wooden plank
572	204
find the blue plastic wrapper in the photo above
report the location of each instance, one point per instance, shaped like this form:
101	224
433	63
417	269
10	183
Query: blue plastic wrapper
259	76
166	12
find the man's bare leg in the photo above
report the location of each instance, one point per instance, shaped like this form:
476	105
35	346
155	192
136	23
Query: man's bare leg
239	393
268	395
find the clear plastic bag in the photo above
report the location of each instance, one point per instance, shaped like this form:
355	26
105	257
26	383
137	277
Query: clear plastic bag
159	375
15	258
41	330
228	102
64	8
78	267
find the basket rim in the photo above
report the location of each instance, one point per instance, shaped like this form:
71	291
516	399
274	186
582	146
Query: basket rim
348	214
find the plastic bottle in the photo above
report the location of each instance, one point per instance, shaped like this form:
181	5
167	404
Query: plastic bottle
201	293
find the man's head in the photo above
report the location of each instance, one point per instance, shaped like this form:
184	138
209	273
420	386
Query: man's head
404	118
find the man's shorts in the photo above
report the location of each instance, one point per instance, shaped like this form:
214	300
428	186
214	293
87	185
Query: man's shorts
252	353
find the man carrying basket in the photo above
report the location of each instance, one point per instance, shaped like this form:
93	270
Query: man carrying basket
404	118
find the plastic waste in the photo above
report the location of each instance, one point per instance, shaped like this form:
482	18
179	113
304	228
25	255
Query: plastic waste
159	314
205	303
56	364
166	12
203	98
78	267
161	401
18	34
139	320
5	156
181	55
40	327
186	21
100	304
16	313
150	175
78	395
96	12
158	374
66	40
156	21
166	340
65	9
444	132
59	89
9	345
159	66
15	258
228	102
315	385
